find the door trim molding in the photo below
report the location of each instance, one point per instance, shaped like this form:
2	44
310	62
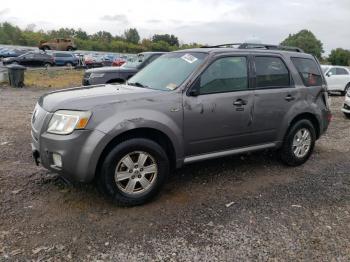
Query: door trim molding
201	157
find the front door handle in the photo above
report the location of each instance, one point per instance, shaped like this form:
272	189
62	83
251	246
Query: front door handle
239	102
289	98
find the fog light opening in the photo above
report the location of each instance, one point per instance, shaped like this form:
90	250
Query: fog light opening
57	160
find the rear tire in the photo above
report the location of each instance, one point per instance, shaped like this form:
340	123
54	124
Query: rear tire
128	180
69	64
47	65
299	143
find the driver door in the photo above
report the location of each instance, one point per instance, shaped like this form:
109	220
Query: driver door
218	111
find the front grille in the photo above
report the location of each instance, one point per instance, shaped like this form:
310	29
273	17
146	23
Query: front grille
38	118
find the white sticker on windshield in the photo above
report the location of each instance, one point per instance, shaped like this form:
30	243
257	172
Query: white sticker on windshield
171	86
189	58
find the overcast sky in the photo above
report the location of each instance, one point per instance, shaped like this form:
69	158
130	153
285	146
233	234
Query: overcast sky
202	21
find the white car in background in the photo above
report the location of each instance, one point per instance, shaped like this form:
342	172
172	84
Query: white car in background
346	106
338	78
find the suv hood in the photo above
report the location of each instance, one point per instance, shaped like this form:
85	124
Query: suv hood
111	69
86	98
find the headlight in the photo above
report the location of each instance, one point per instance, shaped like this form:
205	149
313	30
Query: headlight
64	122
96	75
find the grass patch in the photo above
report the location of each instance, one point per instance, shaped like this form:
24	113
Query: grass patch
53	78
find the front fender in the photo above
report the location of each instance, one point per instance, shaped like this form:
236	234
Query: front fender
124	121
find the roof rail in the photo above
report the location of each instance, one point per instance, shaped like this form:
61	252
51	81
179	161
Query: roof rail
257	46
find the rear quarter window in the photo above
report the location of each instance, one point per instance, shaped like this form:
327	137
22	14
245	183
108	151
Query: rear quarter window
271	72
308	71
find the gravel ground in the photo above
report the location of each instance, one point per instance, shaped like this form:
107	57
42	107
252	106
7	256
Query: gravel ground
238	208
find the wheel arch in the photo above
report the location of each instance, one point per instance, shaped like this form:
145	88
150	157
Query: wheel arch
149	133
309	116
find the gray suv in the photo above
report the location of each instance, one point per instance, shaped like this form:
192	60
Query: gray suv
186	106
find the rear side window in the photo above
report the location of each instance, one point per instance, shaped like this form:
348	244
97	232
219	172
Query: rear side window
342	71
308	71
271	72
226	74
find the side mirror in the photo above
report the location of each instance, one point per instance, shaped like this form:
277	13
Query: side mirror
329	74
193	92
194	89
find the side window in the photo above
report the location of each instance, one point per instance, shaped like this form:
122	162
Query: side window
333	71
308	71
225	75
342	71
271	72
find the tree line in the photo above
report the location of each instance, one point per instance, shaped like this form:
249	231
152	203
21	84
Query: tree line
130	41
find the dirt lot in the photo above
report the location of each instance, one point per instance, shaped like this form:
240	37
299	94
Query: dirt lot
276	213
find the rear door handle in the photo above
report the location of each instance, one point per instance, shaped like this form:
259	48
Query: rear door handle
239	102
289	98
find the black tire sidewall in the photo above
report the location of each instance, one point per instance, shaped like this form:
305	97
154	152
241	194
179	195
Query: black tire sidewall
347	88
106	178
286	153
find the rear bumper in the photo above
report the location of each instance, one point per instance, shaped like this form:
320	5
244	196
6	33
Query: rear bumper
79	152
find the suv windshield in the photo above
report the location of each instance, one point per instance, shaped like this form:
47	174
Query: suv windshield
168	71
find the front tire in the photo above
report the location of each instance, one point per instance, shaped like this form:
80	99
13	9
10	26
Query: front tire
347	115
347	88
299	143
133	172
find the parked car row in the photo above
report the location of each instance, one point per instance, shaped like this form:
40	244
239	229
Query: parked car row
40	59
63	58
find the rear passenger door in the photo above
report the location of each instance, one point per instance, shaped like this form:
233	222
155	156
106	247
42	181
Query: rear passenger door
274	95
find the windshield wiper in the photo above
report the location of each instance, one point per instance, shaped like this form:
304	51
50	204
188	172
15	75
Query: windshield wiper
138	84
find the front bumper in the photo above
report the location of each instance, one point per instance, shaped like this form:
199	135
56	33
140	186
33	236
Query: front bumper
79	151
93	81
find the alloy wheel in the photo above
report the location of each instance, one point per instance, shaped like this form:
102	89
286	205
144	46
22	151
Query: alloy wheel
136	172
301	143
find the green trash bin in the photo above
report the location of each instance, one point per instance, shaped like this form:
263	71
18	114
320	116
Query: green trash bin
16	75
